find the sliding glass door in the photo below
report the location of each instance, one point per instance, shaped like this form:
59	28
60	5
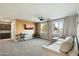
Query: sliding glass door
44	27
57	27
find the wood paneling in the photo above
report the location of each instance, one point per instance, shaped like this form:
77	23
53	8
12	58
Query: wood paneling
5	27
5	31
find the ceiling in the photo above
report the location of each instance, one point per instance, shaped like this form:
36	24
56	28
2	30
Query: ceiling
31	11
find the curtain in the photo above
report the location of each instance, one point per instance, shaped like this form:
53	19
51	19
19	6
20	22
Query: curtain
78	29
70	27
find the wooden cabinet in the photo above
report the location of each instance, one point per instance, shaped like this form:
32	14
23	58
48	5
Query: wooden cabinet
5	27
5	35
5	31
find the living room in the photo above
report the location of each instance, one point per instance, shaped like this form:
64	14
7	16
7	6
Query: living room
34	33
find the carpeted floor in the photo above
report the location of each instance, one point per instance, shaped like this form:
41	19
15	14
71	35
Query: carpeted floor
26	48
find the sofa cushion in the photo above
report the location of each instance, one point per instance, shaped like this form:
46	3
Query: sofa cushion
54	48
59	41
66	45
74	51
63	36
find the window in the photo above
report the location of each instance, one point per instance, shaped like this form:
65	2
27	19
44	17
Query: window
44	27
58	27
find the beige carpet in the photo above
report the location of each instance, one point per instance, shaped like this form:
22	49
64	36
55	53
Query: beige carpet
26	48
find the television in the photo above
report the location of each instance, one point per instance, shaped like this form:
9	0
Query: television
28	26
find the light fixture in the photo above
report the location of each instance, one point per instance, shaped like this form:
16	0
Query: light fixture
41	18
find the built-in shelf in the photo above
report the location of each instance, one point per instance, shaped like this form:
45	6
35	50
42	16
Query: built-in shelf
5	31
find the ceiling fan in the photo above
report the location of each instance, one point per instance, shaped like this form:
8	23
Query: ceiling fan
41	18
